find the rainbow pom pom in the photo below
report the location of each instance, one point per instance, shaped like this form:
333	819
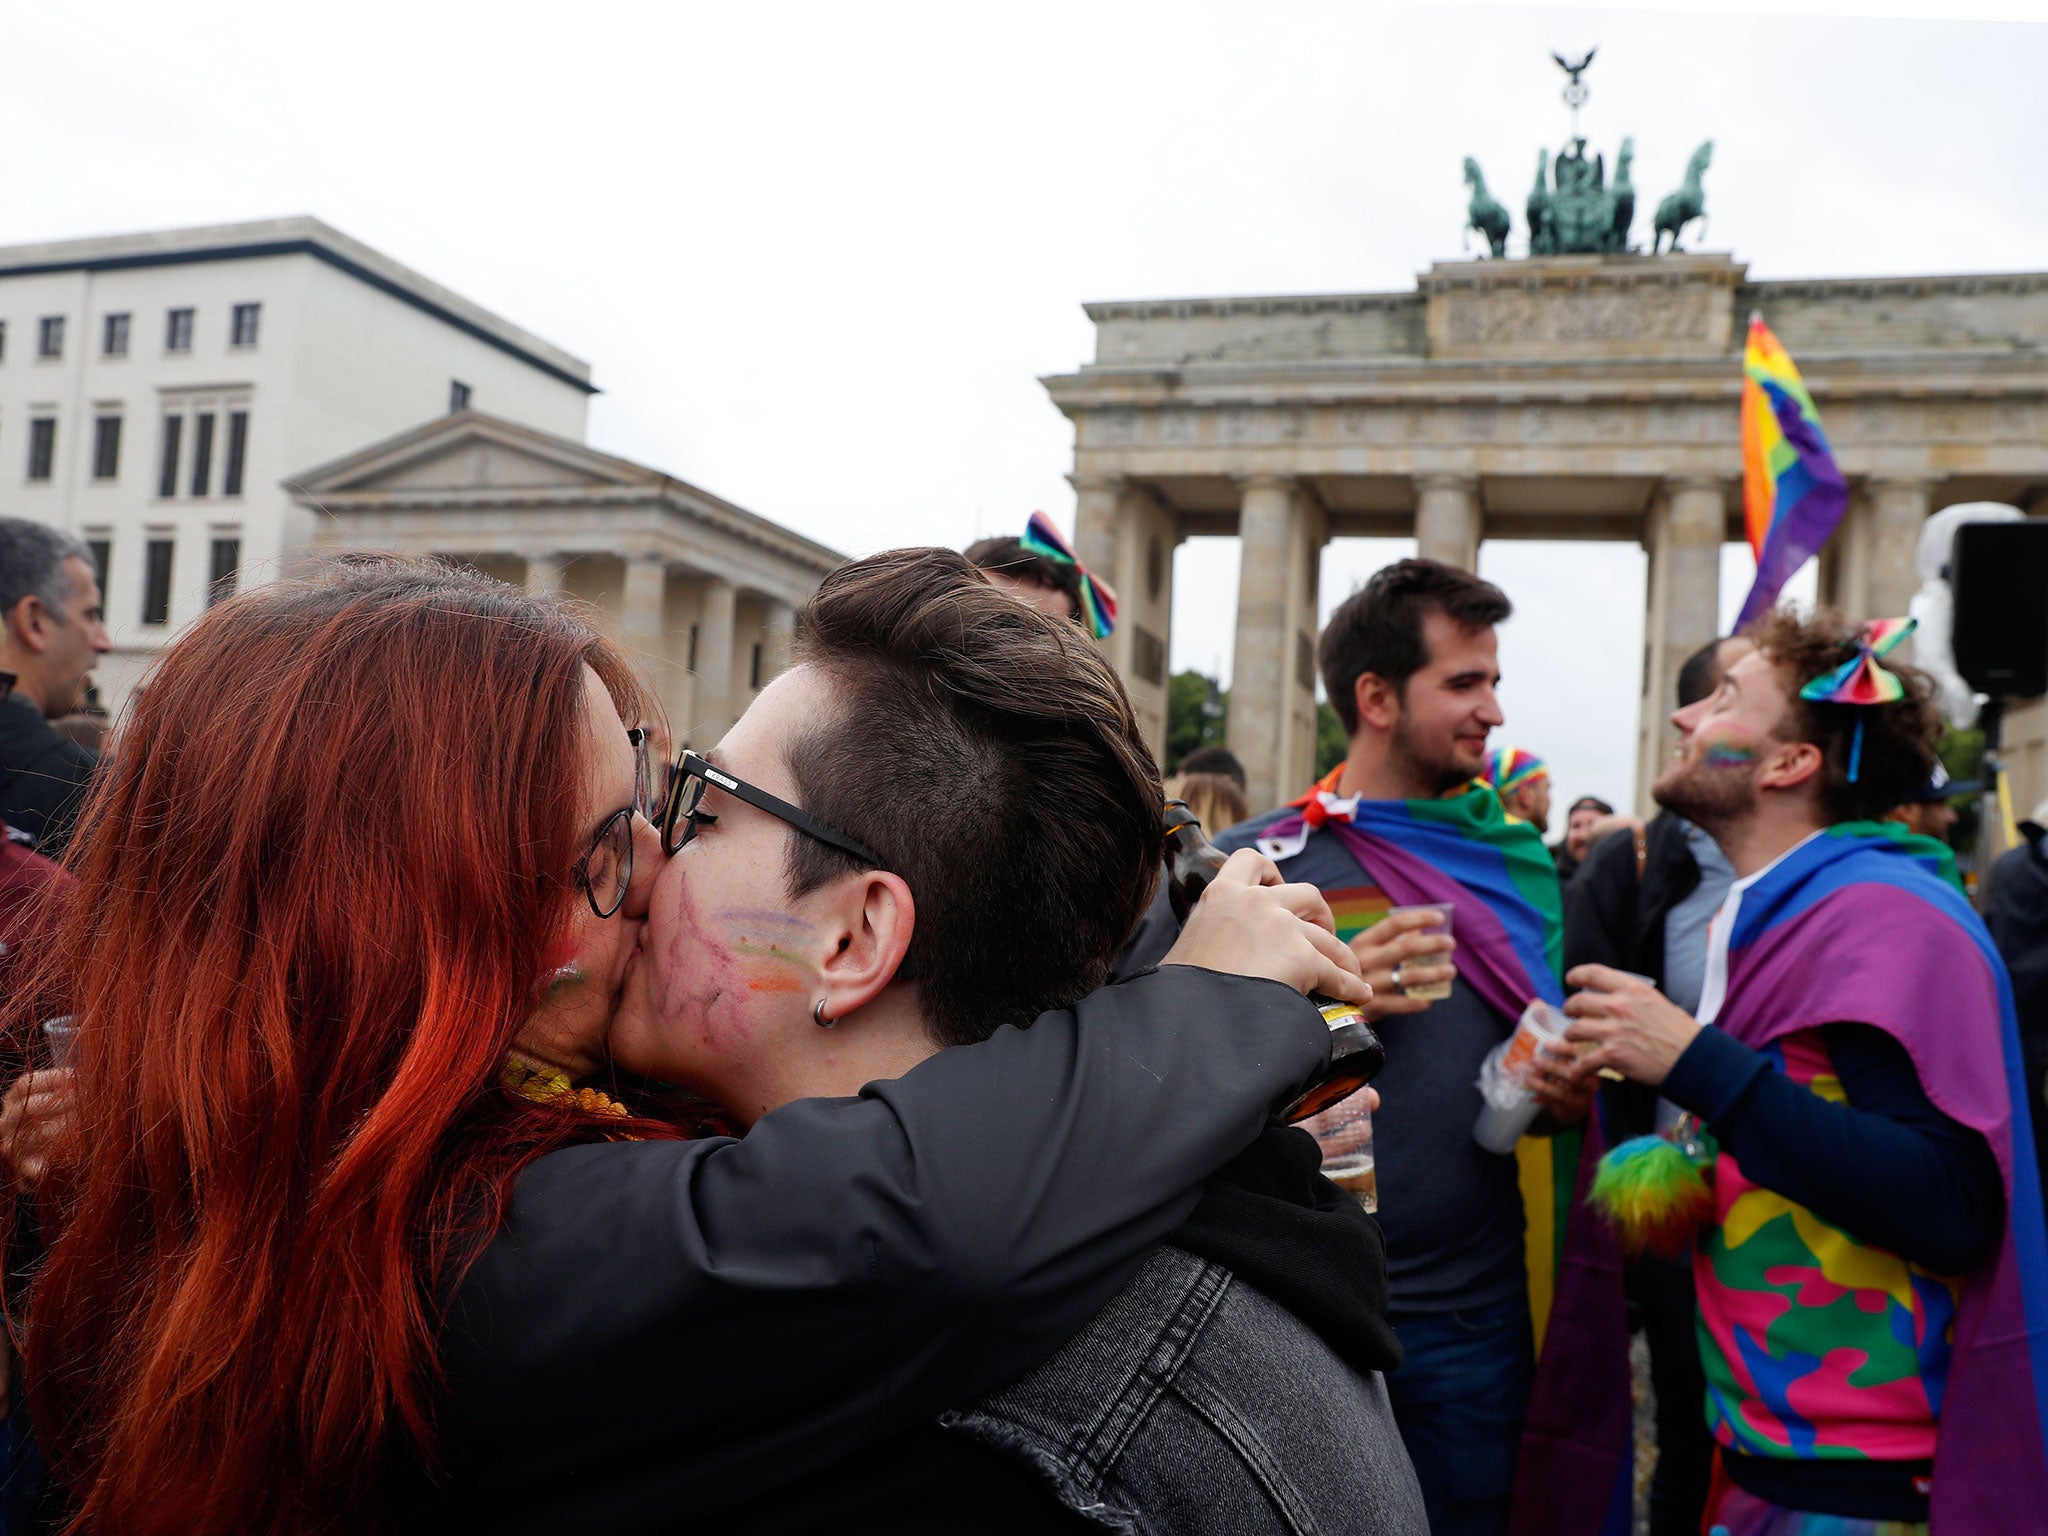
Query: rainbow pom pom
1656	1191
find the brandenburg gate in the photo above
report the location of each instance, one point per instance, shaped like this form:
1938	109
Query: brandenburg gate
1554	397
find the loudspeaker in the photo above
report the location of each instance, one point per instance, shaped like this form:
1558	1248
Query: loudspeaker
1999	574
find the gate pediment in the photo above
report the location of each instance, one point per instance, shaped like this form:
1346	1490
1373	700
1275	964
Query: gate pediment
1573	308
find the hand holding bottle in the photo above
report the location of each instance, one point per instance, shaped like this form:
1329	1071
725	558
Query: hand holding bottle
1248	921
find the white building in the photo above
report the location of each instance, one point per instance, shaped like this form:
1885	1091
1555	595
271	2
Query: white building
157	389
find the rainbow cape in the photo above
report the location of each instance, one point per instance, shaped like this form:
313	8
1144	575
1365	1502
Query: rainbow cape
1574	1464
1865	923
1793	493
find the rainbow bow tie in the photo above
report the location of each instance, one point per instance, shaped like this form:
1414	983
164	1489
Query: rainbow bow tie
1098	602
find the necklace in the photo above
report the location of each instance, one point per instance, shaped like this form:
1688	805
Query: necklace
549	1085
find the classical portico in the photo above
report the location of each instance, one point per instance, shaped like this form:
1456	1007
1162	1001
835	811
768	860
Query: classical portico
704	593
1582	397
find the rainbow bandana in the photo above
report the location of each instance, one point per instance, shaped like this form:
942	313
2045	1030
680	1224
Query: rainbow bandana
1098	602
1865	923
1466	849
1509	768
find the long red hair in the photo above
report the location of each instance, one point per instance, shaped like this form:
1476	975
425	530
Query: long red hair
315	891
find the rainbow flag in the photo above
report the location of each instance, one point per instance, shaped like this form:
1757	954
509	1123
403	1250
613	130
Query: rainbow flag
1793	493
1866	922
1573	1480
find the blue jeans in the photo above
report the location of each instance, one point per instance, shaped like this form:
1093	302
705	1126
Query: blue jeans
1459	1397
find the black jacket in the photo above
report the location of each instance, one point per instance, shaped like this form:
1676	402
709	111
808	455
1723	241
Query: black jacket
43	777
663	1330
1613	917
2017	914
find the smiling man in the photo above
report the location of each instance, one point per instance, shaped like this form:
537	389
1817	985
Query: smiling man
1870	1266
942	820
1411	665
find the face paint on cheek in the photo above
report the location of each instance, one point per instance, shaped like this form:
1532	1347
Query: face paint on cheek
703	986
1728	749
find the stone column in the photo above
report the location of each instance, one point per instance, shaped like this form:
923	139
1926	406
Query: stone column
1308	534
1447	519
1686	526
711	695
1845	560
640	605
544	573
1898	509
1145	536
778	630
1095	521
1261	675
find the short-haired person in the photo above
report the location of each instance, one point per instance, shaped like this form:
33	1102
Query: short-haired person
1522	780
1232	1387
1871	1266
1050	585
1217	760
1642	905
355	903
1580	821
1410	664
1930	811
51	635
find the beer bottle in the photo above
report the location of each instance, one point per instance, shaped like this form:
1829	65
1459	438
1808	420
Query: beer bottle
1356	1054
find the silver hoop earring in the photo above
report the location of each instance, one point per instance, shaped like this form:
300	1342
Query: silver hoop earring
818	1015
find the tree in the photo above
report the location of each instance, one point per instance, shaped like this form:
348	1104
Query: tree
1196	707
1331	742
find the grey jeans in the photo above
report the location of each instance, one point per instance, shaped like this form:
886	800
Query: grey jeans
1194	1404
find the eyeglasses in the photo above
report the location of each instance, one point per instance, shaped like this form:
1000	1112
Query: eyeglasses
605	872
692	775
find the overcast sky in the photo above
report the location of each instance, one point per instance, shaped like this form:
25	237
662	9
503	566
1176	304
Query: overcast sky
819	255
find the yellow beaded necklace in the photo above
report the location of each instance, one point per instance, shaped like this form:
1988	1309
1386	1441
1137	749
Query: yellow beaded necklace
547	1085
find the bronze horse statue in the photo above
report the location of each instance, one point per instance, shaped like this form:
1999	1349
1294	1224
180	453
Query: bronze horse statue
1689	202
1484	214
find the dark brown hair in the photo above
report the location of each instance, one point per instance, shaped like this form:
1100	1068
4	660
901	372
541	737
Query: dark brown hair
1899	740
1378	628
989	755
1008	557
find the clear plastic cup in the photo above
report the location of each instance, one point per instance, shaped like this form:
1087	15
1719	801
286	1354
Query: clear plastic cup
1344	1131
62	1033
1435	991
1508	1107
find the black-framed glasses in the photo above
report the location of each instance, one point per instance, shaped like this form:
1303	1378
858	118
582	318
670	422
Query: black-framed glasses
692	775
605	872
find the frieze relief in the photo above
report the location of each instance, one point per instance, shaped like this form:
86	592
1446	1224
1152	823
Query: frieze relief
1522	322
1553	423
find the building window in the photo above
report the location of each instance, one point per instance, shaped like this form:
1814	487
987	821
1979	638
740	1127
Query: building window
458	396
106	447
178	331
50	336
167	477
42	446
691	664
114	342
242	325
102	547
202	453
156	581
226	570
754	667
238	450
3	340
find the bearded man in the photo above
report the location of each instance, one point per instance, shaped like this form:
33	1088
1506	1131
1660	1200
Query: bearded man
1869	1254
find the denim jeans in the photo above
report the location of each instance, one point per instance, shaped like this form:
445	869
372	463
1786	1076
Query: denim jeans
1459	1397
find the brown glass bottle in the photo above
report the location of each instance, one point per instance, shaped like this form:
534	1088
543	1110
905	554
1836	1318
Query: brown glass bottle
1356	1054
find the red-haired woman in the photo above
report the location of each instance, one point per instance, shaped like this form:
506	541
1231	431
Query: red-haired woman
353	908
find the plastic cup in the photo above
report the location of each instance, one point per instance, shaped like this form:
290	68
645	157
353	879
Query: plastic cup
1434	991
1344	1131
1507	1105
62	1033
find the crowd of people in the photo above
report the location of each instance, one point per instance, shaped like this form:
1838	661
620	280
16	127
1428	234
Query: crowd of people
440	1100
